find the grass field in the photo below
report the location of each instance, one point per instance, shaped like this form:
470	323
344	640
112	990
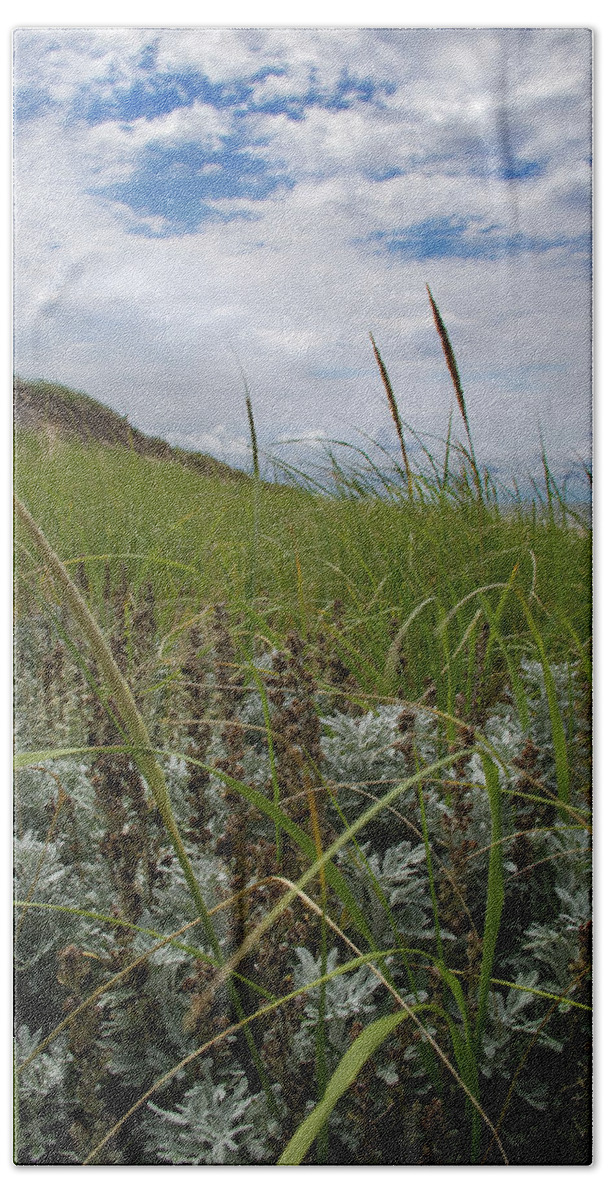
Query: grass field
303	815
281	557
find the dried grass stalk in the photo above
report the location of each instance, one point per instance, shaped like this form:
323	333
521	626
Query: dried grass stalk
392	403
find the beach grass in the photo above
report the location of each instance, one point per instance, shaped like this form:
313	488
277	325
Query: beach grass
227	636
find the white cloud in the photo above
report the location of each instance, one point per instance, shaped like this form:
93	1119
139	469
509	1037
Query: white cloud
144	322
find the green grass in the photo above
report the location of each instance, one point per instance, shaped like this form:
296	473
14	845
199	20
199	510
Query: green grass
281	557
427	589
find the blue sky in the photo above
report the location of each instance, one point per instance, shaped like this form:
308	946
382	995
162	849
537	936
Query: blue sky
191	199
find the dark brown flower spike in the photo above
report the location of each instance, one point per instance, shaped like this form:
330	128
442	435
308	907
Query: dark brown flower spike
392	403
452	365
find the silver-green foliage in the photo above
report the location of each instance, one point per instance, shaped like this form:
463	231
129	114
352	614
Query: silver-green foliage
217	1123
223	1117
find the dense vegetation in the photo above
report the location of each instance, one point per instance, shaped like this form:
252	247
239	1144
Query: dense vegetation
341	913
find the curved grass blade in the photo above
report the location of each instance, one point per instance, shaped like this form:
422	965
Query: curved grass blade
254	436
494	905
143	753
344	1075
514	674
452	366
429	867
560	748
395	646
392	403
495	895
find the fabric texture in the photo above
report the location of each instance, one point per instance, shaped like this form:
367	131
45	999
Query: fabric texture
303	589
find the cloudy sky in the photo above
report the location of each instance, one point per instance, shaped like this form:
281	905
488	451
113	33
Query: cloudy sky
190	200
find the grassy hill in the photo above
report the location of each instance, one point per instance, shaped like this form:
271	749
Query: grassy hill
283	557
59	410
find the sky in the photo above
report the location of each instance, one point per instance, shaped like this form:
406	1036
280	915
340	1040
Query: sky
191	204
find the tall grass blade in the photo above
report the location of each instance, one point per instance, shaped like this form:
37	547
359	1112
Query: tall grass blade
392	403
548	481
494	906
495	895
560	748
448	446
320	1038
392	657
276	793
463	1042
429	867
452	366
254	438
344	1075
248	405
583	657
512	668
143	753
